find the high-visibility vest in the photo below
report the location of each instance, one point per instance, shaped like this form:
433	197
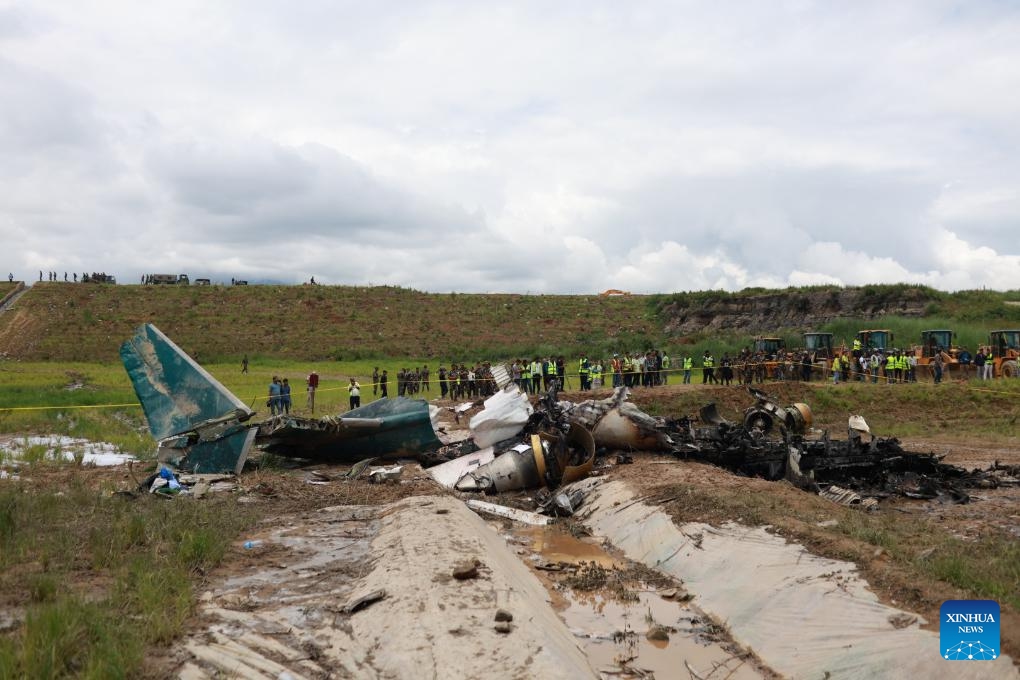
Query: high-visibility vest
582	366
857	344
536	368
665	361
890	362
688	363
709	362
526	371
552	368
596	372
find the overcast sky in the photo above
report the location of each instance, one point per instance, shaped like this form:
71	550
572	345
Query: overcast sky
557	147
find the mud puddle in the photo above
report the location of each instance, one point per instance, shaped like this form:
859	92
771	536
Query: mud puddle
627	626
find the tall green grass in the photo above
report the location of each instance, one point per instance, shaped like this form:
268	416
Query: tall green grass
147	549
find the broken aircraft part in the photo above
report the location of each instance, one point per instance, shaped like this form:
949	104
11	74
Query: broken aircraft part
504	416
449	473
546	460
383	474
200	425
515	514
386	428
615	423
767	411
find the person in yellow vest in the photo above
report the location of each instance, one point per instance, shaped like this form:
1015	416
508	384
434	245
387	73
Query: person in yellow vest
688	367
550	372
708	369
584	372
536	376
596	375
665	368
890	368
526	376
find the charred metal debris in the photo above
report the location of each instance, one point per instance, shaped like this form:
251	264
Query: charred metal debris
203	428
557	442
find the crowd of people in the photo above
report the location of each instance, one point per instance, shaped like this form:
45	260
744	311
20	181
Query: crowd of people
647	369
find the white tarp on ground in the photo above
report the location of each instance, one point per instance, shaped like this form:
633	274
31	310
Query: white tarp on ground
504	416
59	447
805	616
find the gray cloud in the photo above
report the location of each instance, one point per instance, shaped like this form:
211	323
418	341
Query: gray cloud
566	148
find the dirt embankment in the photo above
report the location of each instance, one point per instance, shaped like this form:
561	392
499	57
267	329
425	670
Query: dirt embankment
789	309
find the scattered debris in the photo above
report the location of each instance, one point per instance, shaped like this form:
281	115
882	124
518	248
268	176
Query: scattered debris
509	513
365	600
449	473
658	633
838	494
902	620
359	468
466	570
865	469
562	503
504	416
381	475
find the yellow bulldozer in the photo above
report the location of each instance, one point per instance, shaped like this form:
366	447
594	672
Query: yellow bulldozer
939	343
1005	351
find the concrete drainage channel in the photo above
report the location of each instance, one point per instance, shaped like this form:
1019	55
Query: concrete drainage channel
424	587
805	616
630	621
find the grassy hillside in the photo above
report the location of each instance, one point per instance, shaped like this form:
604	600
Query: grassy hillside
6	287
85	322
88	322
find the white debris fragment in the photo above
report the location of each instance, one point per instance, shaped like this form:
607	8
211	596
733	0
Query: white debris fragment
504	416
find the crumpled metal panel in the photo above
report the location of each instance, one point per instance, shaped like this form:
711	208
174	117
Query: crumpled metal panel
176	393
386	428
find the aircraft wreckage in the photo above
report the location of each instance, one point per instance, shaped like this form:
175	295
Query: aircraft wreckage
202	427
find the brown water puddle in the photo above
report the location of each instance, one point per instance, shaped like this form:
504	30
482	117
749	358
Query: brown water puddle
612	621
